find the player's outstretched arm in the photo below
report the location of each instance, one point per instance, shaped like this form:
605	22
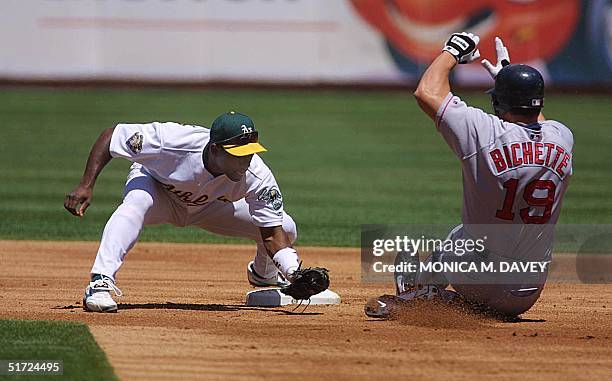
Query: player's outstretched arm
305	282
274	239
278	246
77	201
434	85
461	48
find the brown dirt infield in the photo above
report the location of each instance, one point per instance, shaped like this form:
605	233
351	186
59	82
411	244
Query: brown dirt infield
183	317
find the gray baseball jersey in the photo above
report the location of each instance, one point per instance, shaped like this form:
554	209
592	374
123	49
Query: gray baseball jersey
514	177
172	154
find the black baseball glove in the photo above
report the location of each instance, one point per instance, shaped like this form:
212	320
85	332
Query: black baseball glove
307	282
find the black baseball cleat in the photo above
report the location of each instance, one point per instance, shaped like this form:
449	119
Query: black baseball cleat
405	279
406	271
382	307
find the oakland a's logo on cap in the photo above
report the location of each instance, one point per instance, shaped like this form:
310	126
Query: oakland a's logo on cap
236	133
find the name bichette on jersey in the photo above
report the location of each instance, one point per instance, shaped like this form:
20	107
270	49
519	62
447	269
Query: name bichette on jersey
515	155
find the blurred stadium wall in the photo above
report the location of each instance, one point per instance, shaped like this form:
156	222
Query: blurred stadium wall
295	41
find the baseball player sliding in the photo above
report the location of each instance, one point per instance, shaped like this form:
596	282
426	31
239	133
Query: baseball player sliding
516	167
193	176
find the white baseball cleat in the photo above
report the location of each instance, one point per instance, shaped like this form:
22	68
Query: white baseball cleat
258	281
97	295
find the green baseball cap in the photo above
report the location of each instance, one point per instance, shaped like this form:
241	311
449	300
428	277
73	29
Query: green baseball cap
236	133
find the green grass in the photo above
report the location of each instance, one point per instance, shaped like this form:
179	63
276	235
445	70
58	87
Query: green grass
342	158
71	343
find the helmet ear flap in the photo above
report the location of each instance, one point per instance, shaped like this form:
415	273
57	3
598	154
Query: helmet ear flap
498	108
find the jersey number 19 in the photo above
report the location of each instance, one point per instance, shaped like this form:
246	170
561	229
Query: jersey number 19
505	213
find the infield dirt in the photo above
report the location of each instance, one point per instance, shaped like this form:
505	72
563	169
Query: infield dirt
183	317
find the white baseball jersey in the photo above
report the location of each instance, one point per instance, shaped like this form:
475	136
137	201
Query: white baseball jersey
172	154
514	177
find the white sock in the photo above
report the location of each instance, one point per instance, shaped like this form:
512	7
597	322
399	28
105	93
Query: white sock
287	261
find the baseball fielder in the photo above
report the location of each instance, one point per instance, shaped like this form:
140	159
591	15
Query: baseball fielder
192	176
516	167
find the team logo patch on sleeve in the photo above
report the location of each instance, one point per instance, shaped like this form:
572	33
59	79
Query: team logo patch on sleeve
272	197
135	142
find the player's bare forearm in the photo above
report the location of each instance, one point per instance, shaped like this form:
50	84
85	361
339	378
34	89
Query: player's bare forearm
434	86
274	239
77	201
99	156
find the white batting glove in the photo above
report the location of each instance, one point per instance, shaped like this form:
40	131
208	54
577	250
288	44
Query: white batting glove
462	46
503	58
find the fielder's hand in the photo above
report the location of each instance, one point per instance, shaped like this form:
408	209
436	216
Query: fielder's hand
462	46
503	58
77	201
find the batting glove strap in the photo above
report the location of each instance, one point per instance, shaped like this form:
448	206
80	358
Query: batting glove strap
462	46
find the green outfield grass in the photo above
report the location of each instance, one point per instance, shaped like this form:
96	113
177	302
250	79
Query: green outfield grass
72	343
342	158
